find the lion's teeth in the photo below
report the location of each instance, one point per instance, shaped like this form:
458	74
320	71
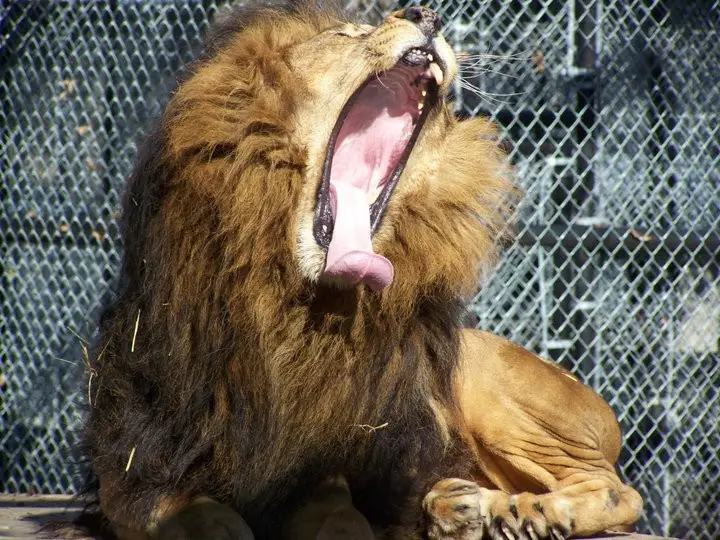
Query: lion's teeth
423	93
420	52
437	73
420	106
373	194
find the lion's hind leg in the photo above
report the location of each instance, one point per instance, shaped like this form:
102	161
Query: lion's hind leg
461	510
545	447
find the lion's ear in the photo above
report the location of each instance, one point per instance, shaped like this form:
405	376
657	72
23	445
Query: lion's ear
231	20
227	23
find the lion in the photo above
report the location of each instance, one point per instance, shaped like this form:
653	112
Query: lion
285	357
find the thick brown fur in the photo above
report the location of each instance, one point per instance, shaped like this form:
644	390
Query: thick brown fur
224	368
226	372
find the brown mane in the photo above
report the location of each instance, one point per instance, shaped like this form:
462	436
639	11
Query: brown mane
220	367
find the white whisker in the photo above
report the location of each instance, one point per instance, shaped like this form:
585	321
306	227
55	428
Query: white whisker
523	55
482	71
511	94
489	97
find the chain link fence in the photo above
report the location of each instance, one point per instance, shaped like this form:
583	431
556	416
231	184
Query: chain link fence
610	110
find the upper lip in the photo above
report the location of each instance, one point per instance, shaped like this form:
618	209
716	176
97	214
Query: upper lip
430	53
323	220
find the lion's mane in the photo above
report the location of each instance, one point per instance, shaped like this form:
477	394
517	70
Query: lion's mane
220	369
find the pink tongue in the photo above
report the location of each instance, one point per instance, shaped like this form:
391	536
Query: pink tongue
369	146
350	255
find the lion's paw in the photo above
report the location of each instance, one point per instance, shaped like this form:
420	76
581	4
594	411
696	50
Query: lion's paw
461	510
453	510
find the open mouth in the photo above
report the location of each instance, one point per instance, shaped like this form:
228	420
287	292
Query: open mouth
367	152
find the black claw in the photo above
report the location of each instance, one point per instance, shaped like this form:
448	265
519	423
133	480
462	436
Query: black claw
527	531
497	531
494	528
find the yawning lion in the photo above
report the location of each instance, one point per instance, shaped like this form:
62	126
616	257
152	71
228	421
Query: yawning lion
300	233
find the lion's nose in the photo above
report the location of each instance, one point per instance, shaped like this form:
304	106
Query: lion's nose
426	19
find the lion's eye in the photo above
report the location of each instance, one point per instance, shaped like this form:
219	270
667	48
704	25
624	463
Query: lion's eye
353	30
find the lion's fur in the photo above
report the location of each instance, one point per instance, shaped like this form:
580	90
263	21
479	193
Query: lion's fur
225	370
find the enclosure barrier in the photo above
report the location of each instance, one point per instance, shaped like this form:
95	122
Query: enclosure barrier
609	110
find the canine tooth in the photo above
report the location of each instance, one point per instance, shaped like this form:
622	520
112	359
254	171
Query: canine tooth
423	93
373	194
437	73
430	57
420	106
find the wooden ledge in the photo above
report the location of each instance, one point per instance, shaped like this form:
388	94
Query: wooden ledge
626	536
22	515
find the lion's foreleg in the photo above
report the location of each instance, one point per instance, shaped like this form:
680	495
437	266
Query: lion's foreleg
328	515
174	517
204	518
